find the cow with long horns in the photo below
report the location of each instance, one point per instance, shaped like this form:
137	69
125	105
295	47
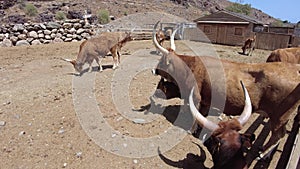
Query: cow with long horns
274	88
226	144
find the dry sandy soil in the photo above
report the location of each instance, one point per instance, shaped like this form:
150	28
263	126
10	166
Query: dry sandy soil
45	123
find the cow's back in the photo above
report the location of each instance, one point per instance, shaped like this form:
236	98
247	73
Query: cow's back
267	82
290	55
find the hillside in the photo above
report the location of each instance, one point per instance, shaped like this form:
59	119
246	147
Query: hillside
13	11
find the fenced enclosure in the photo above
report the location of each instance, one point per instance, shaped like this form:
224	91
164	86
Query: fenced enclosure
272	41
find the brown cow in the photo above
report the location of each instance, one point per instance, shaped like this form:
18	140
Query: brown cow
98	47
226	144
290	55
249	45
269	84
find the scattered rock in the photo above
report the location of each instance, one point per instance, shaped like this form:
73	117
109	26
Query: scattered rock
22	133
2	123
135	161
61	131
139	121
79	154
65	165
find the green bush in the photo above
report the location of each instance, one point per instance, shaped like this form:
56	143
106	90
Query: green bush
60	16
21	4
277	23
240	8
30	10
103	17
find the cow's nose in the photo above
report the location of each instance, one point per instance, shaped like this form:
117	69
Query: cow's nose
153	71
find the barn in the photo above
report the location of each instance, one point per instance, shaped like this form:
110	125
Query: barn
228	28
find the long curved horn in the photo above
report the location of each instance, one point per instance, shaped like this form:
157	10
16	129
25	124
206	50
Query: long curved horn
247	108
201	120
173	47
67	60
163	50
132	29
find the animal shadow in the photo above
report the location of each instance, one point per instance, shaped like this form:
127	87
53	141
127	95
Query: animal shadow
169	112
191	161
94	69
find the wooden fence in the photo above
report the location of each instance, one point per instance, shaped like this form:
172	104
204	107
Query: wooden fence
272	41
295	41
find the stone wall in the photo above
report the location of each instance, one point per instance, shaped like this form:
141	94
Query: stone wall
43	33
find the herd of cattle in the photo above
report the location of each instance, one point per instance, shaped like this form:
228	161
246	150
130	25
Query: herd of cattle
271	89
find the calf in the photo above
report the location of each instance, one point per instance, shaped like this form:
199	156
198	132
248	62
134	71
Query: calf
98	47
249	45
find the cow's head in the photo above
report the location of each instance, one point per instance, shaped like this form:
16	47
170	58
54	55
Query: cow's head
77	66
169	68
167	90
160	36
128	37
226	144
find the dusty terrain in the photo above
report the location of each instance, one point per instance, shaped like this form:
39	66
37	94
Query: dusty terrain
44	127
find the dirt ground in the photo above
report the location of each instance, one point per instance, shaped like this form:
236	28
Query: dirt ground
44	127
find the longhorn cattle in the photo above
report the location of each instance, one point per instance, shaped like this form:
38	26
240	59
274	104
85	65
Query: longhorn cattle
273	87
291	55
249	45
96	48
226	144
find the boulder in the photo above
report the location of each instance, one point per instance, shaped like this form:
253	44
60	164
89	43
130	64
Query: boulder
80	31
53	25
6	43
14	39
18	27
22	43
36	42
57	40
33	34
68	25
22	37
47	32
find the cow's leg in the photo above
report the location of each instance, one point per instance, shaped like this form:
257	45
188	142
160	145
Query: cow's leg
114	53
99	63
274	140
119	57
90	66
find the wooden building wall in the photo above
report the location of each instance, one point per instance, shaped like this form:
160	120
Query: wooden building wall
225	33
